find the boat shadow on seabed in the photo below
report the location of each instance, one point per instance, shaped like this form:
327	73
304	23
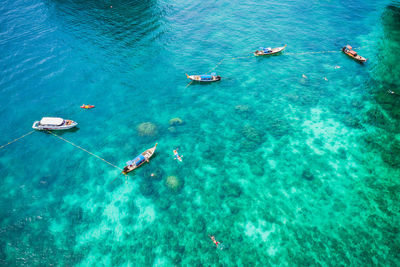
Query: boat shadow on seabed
60	133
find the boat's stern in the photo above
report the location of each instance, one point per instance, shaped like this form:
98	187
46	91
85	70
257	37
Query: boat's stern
68	124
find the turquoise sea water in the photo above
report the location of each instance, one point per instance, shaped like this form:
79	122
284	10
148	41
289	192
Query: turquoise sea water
283	170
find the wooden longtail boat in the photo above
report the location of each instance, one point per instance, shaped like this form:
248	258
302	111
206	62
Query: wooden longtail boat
139	160
269	51
204	78
348	50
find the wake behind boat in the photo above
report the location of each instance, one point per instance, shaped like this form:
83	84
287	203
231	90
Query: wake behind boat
139	160
204	78
51	123
269	51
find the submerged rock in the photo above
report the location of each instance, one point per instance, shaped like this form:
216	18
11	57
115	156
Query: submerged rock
307	175
164	203
375	116
392	155
257	169
352	121
231	189
251	134
76	215
173	183
175	121
247	146
147	188
147	129
172	129
242	108
276	124
342	153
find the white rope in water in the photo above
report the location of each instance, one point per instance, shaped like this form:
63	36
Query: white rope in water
15	140
75	145
305	53
285	53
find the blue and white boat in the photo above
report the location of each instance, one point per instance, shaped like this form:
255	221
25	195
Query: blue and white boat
269	51
52	123
204	78
139	160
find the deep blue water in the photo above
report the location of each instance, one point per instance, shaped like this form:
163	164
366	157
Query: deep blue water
290	160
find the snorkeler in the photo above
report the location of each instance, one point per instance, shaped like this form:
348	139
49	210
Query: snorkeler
177	156
213	240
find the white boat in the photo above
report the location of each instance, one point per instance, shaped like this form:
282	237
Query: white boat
51	123
269	51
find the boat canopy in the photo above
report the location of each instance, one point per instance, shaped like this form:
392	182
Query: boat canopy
136	160
206	77
51	121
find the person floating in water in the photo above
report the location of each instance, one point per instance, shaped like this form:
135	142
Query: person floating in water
219	245
213	240
177	156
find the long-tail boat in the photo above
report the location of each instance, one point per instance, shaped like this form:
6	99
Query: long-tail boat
139	160
269	51
348	50
204	78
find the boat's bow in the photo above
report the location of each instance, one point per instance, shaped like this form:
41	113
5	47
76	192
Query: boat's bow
35	125
279	49
193	77
151	150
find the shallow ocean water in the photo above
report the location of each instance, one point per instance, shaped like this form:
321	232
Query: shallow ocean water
283	170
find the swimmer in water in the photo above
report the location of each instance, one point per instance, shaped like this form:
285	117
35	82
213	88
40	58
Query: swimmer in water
177	156
215	241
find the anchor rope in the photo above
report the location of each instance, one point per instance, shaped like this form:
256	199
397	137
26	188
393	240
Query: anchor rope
15	140
318	52
242	57
285	53
75	145
188	84
219	63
